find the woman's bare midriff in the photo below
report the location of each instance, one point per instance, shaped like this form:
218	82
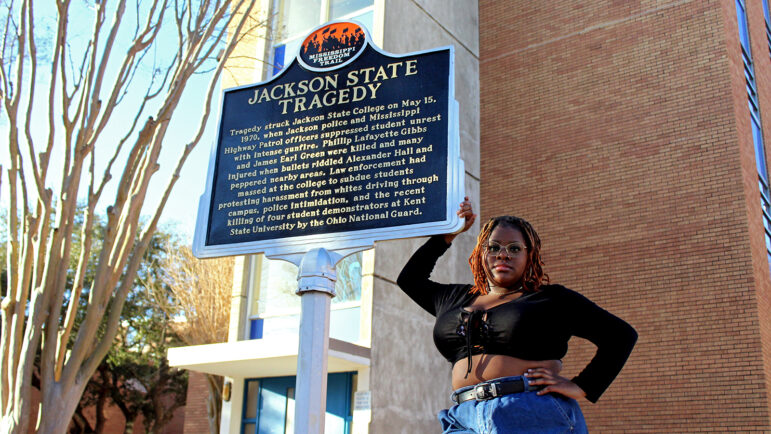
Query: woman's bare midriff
486	367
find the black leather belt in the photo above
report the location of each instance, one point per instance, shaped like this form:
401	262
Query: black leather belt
491	389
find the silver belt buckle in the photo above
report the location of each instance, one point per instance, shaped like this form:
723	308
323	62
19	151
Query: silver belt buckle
485	391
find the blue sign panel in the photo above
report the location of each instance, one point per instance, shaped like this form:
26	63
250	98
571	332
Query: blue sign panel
347	140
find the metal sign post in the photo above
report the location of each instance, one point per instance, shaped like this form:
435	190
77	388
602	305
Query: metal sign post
346	146
316	286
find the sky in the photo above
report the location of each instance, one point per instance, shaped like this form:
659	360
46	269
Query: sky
181	210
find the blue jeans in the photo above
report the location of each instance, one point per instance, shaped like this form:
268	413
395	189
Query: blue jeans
524	412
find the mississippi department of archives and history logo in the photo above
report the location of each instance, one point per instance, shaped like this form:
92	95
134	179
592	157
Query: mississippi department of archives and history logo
332	45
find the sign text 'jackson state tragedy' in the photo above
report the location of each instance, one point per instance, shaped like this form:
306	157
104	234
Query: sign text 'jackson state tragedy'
325	91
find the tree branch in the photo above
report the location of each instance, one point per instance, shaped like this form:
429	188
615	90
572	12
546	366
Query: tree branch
85	253
39	182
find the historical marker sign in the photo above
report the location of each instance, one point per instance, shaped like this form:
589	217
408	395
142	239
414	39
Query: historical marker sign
346	146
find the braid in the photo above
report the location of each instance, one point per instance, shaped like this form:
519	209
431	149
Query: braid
476	260
533	276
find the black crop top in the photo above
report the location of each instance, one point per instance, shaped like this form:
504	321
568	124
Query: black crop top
535	326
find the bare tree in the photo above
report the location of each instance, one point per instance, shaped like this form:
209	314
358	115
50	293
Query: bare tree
58	119
197	293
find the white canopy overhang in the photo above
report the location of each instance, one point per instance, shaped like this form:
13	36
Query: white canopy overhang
259	358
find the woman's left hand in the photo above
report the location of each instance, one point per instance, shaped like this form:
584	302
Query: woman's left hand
553	383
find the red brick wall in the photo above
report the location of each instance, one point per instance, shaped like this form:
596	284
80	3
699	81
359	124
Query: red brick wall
115	423
620	129
196	417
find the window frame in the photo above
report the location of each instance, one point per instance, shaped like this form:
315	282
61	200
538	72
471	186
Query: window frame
756	126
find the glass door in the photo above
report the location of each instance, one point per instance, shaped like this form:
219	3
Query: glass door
269	405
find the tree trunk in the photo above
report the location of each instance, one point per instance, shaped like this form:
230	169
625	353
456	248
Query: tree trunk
80	424
57	407
100	404
214	402
13	425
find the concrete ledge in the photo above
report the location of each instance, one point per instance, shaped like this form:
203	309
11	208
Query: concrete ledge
259	358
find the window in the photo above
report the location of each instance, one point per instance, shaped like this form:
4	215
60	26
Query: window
752	102
298	17
275	307
269	404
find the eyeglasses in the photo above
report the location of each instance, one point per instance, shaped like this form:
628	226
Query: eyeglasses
514	249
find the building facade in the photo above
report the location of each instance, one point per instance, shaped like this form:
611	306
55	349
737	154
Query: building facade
631	135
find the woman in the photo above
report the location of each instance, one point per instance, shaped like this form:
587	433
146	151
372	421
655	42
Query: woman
505	334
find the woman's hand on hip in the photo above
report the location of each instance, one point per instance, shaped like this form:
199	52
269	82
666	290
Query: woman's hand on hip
553	383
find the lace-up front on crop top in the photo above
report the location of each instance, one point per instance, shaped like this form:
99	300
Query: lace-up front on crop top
535	326
473	326
506	329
